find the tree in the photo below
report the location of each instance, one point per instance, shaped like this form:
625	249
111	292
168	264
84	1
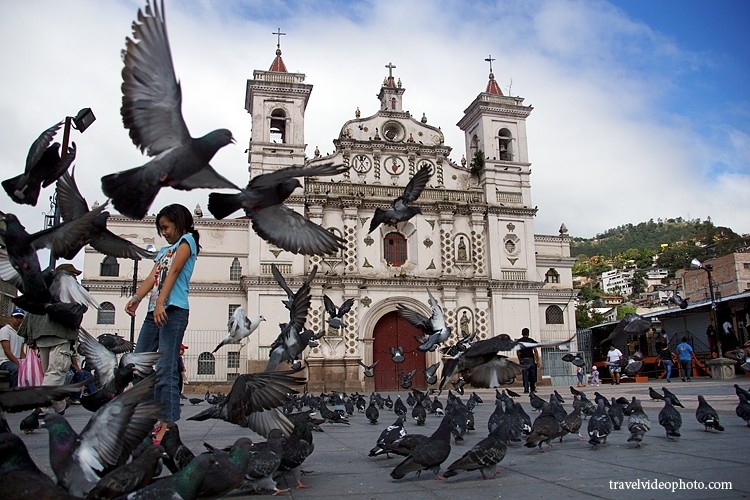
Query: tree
476	166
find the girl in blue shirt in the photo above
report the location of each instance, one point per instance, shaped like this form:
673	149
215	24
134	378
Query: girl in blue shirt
168	308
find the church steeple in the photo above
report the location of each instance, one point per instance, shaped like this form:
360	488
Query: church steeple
492	86
391	93
278	65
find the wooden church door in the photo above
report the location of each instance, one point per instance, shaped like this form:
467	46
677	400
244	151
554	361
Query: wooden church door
393	331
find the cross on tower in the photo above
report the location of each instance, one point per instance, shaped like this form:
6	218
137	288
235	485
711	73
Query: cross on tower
489	60
278	37
390	67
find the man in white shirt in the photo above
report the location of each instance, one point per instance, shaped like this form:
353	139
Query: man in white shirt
12	345
614	355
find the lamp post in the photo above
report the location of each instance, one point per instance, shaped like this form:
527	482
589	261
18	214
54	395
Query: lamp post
134	288
80	122
696	264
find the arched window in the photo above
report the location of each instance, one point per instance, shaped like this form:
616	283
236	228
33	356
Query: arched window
394	248
505	145
278	126
473	146
235	270
106	314
554	316
109	267
206	364
552	276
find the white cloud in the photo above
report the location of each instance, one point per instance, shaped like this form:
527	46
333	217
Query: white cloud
604	150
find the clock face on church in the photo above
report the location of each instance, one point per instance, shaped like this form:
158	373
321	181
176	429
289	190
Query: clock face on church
361	164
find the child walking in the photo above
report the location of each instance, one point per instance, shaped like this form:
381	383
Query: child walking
580	375
167	317
595	380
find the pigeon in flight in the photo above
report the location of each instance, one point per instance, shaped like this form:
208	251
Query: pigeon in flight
263	201
43	166
336	315
73	205
430	373
397	354
400	210
368	369
151	111
240	327
115	343
282	283
576	359
406	379
19	264
294	338
434	327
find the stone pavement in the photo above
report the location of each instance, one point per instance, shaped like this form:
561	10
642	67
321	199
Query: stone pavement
570	469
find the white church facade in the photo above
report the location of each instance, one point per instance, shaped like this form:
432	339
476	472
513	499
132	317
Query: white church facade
473	246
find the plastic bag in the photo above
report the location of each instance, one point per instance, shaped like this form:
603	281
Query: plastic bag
30	373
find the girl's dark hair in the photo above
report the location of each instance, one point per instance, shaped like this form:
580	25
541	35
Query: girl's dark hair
182	219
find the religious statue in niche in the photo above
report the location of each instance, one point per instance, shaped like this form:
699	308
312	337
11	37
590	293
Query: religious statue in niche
462	253
465	323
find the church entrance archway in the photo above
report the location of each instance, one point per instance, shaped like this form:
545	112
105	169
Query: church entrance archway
392	331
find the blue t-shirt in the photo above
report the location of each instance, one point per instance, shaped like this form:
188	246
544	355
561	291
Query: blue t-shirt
179	295
684	351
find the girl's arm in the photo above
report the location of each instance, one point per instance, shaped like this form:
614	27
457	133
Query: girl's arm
178	262
141	293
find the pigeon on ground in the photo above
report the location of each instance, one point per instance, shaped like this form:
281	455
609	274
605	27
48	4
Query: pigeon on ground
399	408
232	467
406	379
655	396
368	368
512	394
372	413
31	422
437	407
186	484
263	202
130	477
616	414
545	428
111	434
336	315
537	403
254	402
574	391
298	446
743	409
419	414
572	422
599	427
429	455
151	111
115	343
638	422
43	166
390	434
434	328
740	391
670	419
405	445
73	205
400	210
671	397
707	416
20	478
484	456
195	401
263	464
239	327
430	374
177	454
397	354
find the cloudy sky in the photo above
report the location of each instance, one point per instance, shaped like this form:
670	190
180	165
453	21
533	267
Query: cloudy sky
640	108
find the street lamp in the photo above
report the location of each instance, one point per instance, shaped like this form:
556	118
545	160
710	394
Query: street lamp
80	122
696	264
134	288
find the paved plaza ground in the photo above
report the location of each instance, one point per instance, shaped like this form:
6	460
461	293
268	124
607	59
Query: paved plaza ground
341	468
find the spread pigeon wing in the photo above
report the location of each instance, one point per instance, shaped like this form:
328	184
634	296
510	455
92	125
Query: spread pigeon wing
40	145
207	177
276	177
416	185
152	97
289	230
